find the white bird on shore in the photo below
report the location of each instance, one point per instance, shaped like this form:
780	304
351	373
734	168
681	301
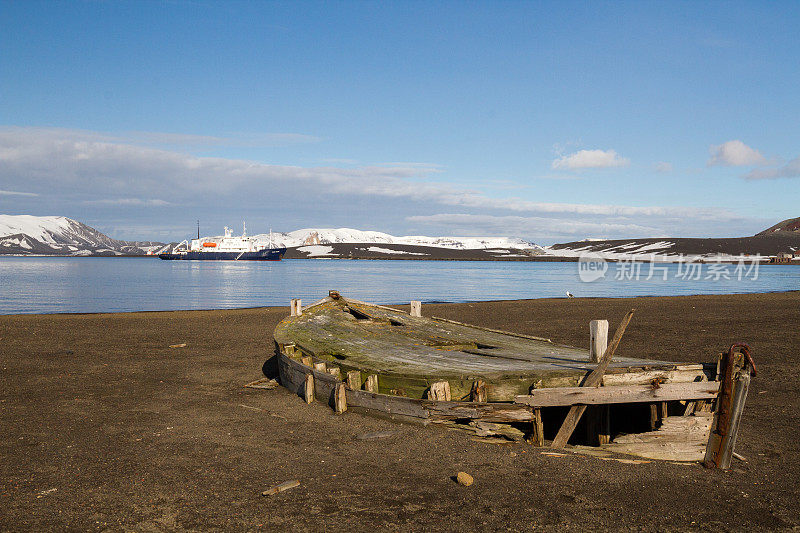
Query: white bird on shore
570	295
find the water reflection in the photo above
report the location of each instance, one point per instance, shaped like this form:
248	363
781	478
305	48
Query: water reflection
50	284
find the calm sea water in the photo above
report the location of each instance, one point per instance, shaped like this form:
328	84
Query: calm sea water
60	285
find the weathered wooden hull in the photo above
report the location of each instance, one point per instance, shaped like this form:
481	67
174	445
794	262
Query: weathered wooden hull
347	374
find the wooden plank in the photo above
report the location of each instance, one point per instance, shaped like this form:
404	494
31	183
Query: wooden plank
598	339
592	380
416	308
309	390
371	385
340	398
440	391
568	396
354	379
392	405
490	412
509	333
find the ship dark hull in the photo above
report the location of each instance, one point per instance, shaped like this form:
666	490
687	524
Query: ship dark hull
269	254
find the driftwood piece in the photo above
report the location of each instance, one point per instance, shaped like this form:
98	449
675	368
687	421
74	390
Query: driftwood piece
592	380
286	485
416	308
335	371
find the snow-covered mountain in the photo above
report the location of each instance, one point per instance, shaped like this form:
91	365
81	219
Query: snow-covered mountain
32	235
327	236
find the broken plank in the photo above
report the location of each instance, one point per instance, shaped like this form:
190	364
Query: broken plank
567	396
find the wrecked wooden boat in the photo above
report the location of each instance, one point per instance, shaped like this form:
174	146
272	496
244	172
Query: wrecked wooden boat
383	361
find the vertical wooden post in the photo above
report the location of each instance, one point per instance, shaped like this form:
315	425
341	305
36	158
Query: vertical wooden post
439	391
371	385
321	366
416	308
354	379
598	421
335	372
340	398
653	416
598	425
295	307
598	339
730	404
537	435
309	390
478	392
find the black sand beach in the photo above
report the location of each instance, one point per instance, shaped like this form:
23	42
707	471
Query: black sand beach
105	427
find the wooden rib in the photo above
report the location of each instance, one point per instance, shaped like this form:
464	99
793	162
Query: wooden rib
354	379
340	398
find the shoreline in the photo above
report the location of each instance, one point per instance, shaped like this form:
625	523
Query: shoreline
106	426
405	304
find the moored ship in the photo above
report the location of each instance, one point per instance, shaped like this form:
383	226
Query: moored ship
226	248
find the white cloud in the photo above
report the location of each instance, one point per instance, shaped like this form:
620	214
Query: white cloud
463	223
138	202
789	170
734	154
17	193
663	167
82	168
590	159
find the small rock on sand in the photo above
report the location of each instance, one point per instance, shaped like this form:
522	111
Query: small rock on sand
464	479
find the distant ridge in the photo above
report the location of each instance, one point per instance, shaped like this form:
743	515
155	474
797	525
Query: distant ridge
783	237
790	225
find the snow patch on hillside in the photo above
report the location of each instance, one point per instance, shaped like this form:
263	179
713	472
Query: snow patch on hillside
323	236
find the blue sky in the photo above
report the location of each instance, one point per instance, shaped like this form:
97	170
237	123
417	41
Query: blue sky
548	121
